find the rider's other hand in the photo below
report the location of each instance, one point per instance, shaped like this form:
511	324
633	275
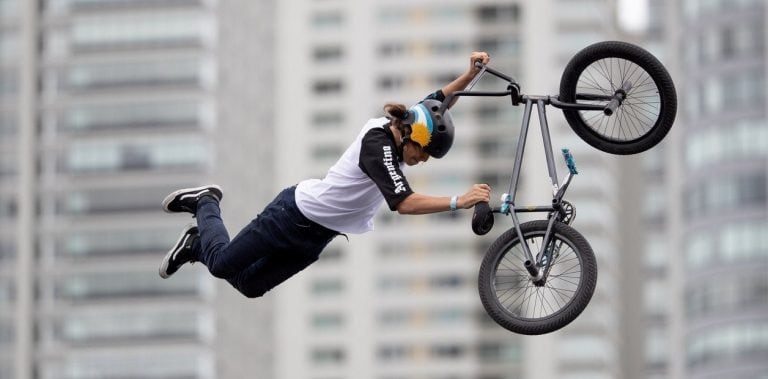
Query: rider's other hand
478	56
478	193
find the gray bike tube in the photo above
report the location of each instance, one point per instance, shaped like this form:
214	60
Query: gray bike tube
547	145
477	76
547	239
519	231
520	150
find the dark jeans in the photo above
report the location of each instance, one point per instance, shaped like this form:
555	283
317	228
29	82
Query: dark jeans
280	242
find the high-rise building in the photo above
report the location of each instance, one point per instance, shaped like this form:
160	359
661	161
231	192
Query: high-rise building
722	194
106	106
402	302
650	314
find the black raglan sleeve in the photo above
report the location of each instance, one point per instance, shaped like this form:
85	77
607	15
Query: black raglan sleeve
378	160
437	95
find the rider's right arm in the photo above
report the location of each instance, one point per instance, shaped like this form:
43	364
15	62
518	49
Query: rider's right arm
418	203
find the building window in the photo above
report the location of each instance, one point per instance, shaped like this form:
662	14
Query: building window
391	82
155	115
127	325
327	53
447	351
392	49
138	363
749	291
328	119
328	355
122	75
736	242
498	13
7	253
329	286
327	320
728	193
391	353
497	352
7	328
743	140
138	31
727	43
90	157
111	243
111	200
726	343
7	292
584	347
327	152
327	19
328	87
122	285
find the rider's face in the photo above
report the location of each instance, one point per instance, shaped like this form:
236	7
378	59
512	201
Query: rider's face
413	153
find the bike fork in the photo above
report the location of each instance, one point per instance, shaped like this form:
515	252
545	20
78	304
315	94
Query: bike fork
538	266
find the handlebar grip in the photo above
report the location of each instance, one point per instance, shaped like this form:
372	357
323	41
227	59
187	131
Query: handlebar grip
482	219
479	63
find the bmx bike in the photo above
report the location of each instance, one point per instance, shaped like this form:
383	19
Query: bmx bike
539	276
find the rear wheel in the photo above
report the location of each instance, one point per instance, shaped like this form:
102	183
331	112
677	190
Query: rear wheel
647	111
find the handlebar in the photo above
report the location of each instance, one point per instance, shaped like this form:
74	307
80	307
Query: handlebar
479	64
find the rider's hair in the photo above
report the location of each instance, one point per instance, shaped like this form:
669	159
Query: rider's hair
396	113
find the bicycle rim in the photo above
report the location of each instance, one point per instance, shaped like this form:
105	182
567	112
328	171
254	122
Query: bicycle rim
523	300
638	113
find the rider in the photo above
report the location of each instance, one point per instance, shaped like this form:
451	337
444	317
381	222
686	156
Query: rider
295	227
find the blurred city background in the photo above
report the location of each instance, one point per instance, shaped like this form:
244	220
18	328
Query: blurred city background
107	105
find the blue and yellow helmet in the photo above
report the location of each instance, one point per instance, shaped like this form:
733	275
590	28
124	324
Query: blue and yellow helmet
430	129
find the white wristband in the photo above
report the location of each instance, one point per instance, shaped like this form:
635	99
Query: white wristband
454	202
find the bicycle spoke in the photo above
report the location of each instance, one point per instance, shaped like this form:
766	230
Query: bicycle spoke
515	291
640	110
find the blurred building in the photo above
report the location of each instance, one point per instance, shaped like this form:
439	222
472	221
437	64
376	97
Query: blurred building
703	284
723	196
106	106
402	302
650	310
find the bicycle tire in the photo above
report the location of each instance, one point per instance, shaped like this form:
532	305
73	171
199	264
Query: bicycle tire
644	117
498	300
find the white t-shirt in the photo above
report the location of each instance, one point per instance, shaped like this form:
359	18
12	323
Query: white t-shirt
367	174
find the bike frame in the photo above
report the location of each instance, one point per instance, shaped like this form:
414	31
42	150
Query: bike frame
536	269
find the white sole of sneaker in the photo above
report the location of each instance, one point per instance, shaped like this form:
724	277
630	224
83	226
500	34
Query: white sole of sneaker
193	192
180	242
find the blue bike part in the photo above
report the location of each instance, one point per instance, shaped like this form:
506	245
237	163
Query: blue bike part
569	161
505	200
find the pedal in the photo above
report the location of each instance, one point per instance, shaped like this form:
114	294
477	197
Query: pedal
569	161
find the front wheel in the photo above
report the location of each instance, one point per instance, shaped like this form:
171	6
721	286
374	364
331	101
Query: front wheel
612	69
518	304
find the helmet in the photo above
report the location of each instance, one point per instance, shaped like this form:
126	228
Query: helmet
430	129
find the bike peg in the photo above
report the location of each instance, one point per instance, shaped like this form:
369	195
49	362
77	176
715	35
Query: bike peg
482	219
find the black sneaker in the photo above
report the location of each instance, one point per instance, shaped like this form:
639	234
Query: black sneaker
185	200
181	252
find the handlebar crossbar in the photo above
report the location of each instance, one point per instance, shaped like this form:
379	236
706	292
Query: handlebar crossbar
513	90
